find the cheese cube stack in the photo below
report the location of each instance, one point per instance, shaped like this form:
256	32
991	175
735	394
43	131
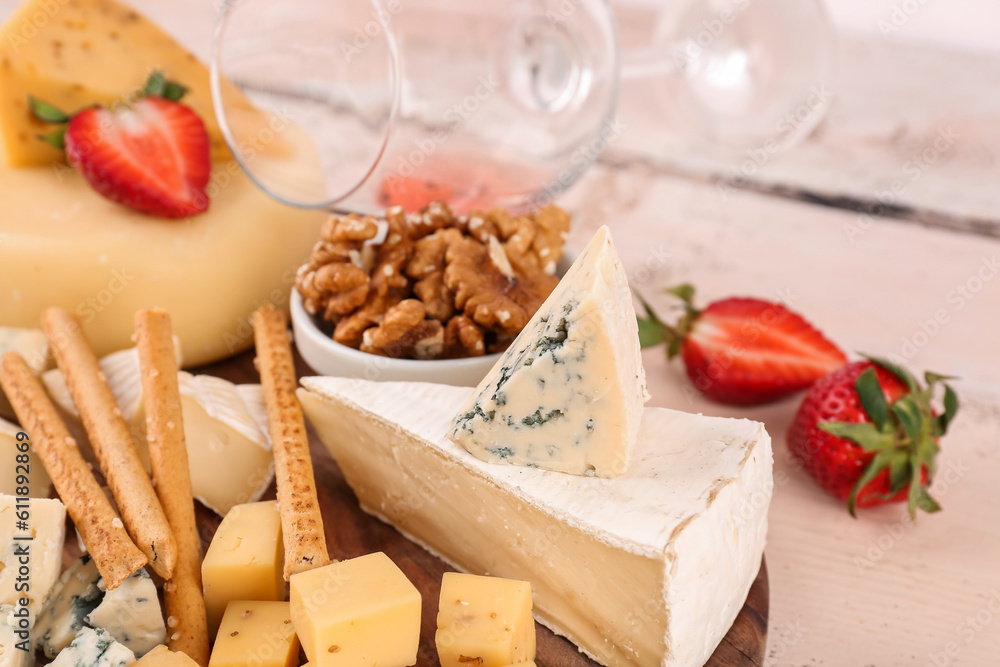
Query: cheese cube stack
568	393
46	524
245	561
484	620
362	612
161	656
40	485
256	633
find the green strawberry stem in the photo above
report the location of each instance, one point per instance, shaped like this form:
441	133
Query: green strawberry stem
653	331
903	436
47	113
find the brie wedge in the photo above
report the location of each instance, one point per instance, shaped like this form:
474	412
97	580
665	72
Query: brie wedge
648	568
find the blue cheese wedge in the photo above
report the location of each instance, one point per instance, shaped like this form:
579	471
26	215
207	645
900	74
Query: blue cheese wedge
569	392
15	650
76	594
131	614
94	648
45	521
648	568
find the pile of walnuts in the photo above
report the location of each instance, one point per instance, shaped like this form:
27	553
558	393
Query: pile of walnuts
432	285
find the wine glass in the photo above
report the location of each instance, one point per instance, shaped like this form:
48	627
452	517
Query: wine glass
737	75
375	103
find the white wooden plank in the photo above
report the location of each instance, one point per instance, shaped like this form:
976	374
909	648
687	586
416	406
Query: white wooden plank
852	593
912	127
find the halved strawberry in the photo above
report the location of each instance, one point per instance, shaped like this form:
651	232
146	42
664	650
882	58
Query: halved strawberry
151	155
743	351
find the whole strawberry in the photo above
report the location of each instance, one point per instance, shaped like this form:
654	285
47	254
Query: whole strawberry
867	434
743	351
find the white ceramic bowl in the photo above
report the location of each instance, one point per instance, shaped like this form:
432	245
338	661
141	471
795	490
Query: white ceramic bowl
329	357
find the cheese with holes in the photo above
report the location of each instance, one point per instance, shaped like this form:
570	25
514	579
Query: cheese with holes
39	558
484	620
245	561
33	348
256	633
94	648
361	612
131	614
76	594
648	568
225	428
568	393
75	54
13	465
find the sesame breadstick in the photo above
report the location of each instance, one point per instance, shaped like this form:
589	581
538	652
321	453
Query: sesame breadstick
102	531
301	522
112	443
183	598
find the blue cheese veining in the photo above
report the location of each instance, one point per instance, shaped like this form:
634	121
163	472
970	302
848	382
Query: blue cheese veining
568	394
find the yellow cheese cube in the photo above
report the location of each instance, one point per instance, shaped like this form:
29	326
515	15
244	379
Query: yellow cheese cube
256	633
161	656
357	613
245	561
89	52
484	620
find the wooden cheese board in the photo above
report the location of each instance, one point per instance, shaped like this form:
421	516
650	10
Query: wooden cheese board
350	533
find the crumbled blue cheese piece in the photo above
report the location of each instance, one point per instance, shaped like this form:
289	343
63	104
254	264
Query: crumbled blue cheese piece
131	614
94	648
75	595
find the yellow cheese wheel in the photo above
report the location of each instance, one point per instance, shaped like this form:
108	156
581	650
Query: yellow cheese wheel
61	244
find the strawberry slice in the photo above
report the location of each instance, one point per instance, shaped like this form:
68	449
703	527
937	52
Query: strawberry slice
152	156
743	351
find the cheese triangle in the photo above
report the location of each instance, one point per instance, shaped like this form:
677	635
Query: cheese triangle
568	393
649	568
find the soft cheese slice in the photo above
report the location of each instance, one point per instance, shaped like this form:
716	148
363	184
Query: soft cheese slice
649	568
46	525
33	348
39	484
568	393
225	427
90	52
15	649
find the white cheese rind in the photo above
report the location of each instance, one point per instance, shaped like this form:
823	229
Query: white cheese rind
225	428
649	568
33	347
568	393
47	526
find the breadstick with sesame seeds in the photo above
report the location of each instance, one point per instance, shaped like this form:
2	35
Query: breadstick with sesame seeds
298	504
187	624
112	443
103	533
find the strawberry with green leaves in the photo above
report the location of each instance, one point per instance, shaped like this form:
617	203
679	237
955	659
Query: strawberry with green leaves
743	351
151	155
868	434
